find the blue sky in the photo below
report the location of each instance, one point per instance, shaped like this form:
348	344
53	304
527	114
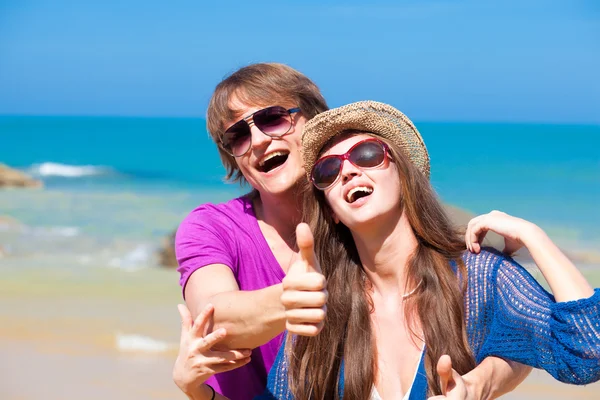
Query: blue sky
529	61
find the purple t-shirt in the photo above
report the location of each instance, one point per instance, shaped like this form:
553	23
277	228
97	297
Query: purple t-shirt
229	234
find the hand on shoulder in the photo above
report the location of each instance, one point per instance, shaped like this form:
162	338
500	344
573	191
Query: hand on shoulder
516	231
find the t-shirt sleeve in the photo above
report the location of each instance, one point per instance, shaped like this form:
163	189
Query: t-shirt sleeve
203	238
528	326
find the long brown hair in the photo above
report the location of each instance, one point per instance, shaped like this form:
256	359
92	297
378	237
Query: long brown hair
436	306
263	84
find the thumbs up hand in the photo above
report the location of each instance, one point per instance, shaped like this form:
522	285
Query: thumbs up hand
452	384
304	289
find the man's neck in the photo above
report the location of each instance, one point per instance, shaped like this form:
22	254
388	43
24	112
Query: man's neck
281	212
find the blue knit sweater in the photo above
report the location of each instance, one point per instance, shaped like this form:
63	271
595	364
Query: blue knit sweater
509	315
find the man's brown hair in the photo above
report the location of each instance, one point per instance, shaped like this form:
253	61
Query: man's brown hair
263	85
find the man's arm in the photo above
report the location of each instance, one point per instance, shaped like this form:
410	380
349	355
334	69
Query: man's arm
251	318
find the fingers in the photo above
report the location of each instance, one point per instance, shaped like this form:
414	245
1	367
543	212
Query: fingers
304	329
292	299
312	281
306	315
218	368
475	234
207	342
200	322
305	311
201	349
306	245
444	370
186	320
227	356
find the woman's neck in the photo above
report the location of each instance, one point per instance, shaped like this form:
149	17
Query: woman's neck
385	253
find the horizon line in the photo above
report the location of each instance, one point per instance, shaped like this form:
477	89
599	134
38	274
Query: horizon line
188	117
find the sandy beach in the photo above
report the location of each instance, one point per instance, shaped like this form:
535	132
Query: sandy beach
110	334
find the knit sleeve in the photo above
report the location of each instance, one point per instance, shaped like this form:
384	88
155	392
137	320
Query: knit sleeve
525	324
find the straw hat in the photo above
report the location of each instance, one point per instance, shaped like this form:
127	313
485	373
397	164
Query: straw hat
368	116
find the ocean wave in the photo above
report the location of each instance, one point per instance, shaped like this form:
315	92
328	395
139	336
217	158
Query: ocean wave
40	231
139	257
57	231
140	343
51	169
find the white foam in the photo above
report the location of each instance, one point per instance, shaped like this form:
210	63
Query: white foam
60	231
137	258
64	231
68	171
140	343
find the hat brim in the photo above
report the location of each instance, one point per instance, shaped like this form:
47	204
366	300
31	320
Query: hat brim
367	116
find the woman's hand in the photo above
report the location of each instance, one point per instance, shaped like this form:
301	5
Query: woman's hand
197	361
304	289
492	378
514	230
452	384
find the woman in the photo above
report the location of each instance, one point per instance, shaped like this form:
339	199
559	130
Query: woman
402	289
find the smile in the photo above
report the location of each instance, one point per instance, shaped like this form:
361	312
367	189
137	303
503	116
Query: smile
357	193
273	160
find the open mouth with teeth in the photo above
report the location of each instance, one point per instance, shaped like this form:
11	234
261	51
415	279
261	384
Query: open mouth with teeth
273	160
358	193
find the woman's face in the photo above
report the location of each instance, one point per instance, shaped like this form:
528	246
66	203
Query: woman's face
272	165
361	196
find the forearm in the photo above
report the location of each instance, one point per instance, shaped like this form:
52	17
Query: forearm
564	279
494	377
251	318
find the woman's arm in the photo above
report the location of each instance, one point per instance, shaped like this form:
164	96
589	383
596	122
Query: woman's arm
522	321
197	361
205	392
564	279
492	378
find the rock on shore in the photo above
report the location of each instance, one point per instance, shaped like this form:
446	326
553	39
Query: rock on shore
166	254
10	177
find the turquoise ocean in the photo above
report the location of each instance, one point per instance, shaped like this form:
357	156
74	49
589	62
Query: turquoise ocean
116	186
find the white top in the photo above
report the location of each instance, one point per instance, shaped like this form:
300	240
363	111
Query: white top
375	395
